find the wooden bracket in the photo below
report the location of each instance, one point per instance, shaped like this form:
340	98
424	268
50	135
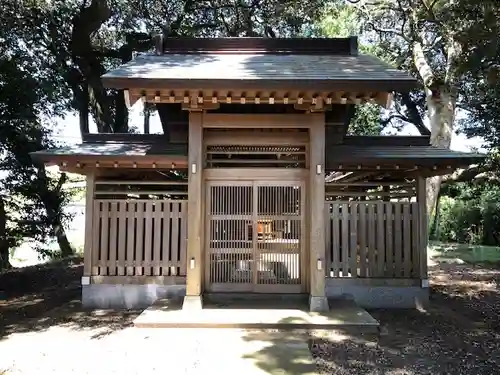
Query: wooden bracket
195	107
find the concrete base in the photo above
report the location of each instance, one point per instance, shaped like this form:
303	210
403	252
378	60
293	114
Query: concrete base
318	304
381	296
256	315
192	303
112	296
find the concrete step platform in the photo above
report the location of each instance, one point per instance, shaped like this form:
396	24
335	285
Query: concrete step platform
257	314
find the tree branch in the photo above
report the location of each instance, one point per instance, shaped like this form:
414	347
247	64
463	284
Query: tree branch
413	114
395	116
381	30
423	67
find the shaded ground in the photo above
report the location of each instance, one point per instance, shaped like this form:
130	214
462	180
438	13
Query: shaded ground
458	334
40	297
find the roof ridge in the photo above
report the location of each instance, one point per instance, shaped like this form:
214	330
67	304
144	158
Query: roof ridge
252	45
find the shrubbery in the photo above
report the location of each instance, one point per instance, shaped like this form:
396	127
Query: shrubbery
472	216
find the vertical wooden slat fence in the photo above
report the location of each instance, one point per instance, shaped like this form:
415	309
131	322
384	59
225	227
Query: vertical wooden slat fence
142	237
374	239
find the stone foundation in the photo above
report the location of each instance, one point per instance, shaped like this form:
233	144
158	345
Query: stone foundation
132	296
114	296
381	296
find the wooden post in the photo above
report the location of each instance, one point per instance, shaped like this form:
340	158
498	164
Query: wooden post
89	234
423	228
318	300
195	208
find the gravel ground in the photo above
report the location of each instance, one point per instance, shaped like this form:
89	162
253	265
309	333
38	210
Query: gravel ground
458	334
44	330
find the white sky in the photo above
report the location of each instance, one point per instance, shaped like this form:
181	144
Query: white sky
68	130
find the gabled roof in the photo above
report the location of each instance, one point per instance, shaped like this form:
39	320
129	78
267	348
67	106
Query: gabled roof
259	63
191	71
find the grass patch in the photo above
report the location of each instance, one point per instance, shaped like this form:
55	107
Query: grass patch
472	254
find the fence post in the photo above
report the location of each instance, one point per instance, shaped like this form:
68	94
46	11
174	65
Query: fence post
89	228
423	225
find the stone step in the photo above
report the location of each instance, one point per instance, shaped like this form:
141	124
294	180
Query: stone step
256	314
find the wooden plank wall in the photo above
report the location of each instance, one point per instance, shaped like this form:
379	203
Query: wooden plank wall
374	239
139	237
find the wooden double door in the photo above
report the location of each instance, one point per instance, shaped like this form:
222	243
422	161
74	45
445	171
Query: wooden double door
254	236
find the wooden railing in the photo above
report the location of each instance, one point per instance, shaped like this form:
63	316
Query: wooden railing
139	237
373	239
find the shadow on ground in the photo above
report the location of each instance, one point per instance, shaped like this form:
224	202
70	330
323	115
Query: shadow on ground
471	291
282	352
38	298
457	334
412	342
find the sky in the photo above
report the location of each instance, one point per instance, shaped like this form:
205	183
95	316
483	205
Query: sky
68	130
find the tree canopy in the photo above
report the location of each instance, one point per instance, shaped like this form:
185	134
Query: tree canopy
31	201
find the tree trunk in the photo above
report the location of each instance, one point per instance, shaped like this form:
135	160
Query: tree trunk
83	105
54	212
62	240
121	114
441	103
121	110
4	244
441	109
84	24
435	224
52	203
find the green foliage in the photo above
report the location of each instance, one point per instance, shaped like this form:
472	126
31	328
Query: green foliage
460	52
340	21
490	210
460	221
366	120
472	216
32	201
80	40
480	89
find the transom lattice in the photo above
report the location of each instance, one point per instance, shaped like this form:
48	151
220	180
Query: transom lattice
237	156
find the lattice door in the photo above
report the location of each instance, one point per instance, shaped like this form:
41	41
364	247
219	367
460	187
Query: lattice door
254	237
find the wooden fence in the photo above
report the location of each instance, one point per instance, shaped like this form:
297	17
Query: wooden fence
373	239
143	237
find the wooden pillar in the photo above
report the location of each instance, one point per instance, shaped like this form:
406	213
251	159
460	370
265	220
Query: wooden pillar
194	259
89	234
423	228
317	250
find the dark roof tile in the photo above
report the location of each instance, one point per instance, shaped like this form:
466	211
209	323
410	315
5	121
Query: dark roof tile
346	154
192	69
115	149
